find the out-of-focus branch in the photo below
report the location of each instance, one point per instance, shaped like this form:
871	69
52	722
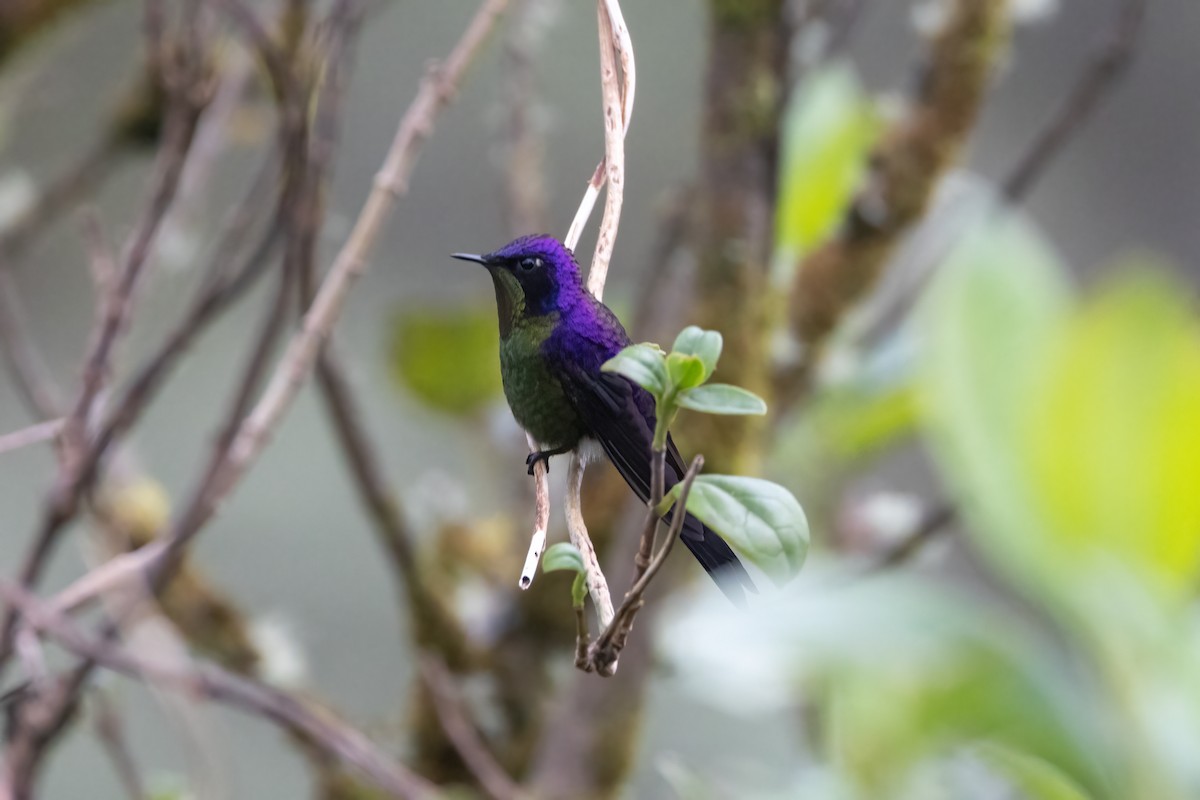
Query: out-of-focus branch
33	434
934	522
23	20
111	733
247	695
29	371
254	432
59	196
456	722
732	232
906	166
524	145
63	502
434	624
1107	64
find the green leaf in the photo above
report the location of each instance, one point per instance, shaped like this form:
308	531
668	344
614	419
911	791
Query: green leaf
761	520
565	557
1112	433
998	300
904	670
1070	434
686	372
1034	778
721	398
447	358
644	364
562	557
705	345
829	128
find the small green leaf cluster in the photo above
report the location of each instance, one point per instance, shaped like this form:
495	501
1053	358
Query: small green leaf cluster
679	379
762	520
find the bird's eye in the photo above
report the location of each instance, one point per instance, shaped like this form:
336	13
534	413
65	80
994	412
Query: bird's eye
530	264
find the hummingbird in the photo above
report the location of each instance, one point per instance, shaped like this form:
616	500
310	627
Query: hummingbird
554	337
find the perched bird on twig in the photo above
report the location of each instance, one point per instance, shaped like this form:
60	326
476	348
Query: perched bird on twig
554	337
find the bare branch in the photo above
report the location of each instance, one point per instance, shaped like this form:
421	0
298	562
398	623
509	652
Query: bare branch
58	196
646	546
1107	64
597	585
432	621
245	694
63	502
541	516
934	522
603	654
253	433
906	165
41	432
455	721
618	93
111	733
29	371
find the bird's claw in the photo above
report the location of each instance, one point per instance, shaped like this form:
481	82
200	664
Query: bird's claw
533	458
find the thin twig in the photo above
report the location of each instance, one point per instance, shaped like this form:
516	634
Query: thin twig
646	546
59	196
577	529
906	166
111	733
934	522
247	695
455	721
28	369
524	167
252	436
1106	65
41	432
431	618
603	654
63	503
618	93
541	516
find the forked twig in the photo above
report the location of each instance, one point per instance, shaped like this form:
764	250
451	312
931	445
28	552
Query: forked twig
603	653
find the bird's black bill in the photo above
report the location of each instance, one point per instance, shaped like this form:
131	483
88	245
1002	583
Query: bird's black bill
469	257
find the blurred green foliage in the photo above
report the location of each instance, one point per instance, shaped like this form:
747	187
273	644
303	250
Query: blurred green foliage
829	128
447	358
1066	430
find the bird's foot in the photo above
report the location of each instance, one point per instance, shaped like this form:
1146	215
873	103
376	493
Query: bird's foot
543	455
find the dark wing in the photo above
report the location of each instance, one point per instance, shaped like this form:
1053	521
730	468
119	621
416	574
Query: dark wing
620	416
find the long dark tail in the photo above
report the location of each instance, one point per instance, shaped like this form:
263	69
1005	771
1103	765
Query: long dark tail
718	560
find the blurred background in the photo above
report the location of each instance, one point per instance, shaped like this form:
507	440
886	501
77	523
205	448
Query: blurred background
295	551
